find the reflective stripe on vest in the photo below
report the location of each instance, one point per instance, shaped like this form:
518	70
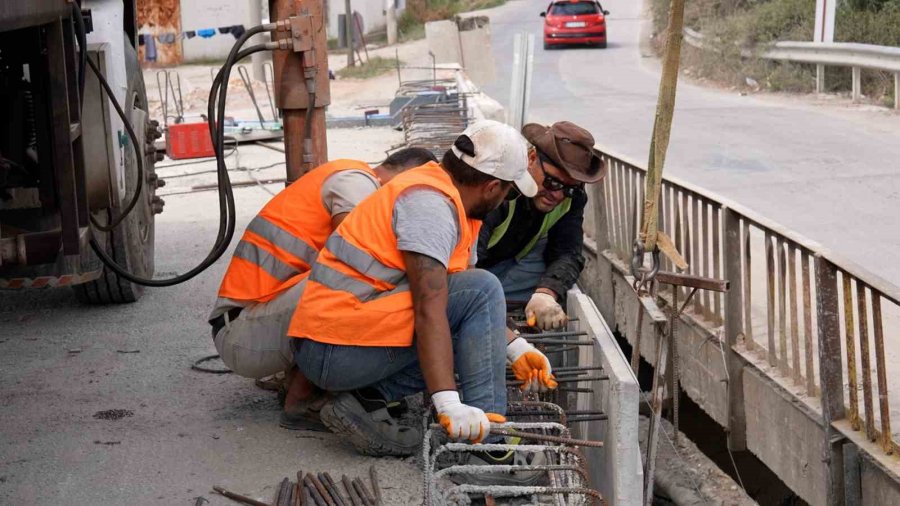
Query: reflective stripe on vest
284	238
550	219
362	261
337	280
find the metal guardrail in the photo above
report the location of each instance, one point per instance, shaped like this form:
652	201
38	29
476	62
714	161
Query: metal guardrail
843	54
814	317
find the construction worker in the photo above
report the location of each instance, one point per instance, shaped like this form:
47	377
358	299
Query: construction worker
392	307
533	245
265	277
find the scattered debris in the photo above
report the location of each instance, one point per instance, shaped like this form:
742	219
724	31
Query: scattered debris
108	443
128	351
75	351
113	414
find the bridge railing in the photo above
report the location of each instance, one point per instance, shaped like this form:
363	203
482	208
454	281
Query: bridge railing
817	320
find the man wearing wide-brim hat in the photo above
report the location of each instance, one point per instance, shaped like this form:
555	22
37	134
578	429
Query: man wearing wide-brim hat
533	245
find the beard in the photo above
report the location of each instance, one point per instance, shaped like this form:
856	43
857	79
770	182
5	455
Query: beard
483	209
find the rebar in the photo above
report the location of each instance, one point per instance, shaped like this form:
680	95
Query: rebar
373	475
326	480
238	497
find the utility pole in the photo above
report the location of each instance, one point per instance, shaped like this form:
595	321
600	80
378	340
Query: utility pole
348	30
255	19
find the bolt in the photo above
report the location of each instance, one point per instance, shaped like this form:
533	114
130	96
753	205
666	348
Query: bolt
157	204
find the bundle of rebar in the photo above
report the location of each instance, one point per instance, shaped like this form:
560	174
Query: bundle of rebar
318	489
541	422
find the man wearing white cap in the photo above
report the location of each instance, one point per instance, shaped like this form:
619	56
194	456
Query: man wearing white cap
393	306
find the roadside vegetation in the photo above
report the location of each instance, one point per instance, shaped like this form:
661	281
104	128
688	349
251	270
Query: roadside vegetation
374	67
730	26
411	24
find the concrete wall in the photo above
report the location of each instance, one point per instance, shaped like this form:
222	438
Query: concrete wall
200	14
616	468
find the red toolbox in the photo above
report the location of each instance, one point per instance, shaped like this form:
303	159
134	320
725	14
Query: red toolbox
189	140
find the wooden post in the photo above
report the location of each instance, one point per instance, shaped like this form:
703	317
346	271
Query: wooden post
830	375
291	95
734	303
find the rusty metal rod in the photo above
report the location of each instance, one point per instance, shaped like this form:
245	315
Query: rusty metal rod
369	498
284	493
564	333
355	500
573	342
576	419
321	489
499	430
326	480
238	497
691	281
578	368
373	475
575	389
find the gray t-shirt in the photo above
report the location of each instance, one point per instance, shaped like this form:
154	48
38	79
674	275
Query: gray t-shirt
343	190
425	222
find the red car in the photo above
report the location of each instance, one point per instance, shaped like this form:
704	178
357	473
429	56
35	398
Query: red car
574	22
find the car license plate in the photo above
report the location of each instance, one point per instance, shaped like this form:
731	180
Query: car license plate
575	24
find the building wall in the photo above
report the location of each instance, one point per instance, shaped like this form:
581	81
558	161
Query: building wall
372	12
200	14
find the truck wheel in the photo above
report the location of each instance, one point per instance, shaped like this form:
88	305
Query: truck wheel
131	243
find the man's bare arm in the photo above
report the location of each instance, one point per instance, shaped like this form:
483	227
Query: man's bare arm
428	284
337	219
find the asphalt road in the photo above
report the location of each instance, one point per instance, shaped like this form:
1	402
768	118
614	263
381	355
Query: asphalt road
823	168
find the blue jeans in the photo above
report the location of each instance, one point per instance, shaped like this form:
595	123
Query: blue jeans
520	277
476	311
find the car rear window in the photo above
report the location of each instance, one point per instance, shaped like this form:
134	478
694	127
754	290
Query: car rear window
574	8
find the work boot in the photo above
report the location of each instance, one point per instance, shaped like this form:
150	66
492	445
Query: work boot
302	403
374	426
498	458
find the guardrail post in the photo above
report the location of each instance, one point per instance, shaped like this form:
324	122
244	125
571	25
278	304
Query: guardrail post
857	84
737	423
897	90
830	374
820	78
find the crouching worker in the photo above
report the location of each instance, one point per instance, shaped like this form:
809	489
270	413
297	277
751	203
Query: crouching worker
392	309
264	280
534	244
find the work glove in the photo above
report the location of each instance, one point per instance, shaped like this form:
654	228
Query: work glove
460	420
544	312
530	366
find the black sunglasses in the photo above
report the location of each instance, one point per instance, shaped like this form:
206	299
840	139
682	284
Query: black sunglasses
513	192
553	184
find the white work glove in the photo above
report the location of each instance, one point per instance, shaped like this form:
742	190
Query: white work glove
530	366
460	420
544	312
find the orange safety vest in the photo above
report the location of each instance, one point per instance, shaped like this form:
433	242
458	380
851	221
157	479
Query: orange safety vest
357	293
284	238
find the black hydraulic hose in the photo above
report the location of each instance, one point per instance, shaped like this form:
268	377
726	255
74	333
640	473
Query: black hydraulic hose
218	94
137	153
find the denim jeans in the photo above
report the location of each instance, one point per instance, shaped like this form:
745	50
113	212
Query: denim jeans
520	277
476	312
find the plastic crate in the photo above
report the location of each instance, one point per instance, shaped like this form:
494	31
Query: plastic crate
189	140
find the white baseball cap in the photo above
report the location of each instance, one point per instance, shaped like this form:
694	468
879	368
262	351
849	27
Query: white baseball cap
500	151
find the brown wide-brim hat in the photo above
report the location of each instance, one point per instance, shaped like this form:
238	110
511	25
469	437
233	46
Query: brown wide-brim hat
569	147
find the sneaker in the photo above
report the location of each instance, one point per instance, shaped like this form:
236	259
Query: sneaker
493	458
372	425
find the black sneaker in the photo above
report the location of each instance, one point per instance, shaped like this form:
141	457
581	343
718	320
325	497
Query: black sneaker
502	458
374	426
